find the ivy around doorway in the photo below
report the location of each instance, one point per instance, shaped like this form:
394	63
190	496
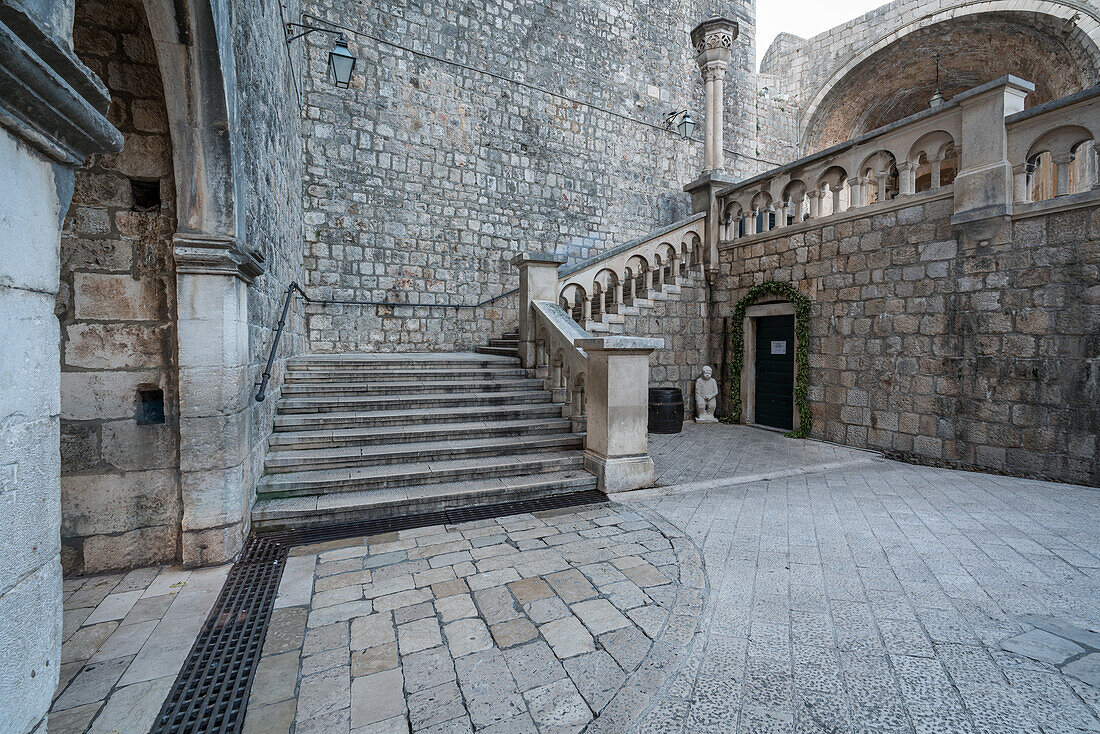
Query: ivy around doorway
801	354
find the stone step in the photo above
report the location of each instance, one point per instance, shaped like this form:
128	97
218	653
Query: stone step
458	447
402	375
452	414
371	387
384	435
427	401
403	476
399	360
502	351
299	512
505	343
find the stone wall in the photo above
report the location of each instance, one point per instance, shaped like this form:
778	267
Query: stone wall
681	320
117	304
269	146
935	349
533	128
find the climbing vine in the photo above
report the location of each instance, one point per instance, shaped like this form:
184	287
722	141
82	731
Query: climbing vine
801	354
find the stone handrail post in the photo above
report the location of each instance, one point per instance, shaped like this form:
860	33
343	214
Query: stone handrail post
984	185
538	281
617	393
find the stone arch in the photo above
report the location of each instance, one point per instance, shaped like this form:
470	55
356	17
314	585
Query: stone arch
1041	31
196	63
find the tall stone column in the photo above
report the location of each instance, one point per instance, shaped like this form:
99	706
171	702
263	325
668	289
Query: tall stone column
538	281
52	117
713	43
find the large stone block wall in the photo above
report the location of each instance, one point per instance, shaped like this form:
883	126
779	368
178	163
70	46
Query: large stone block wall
117	307
270	166
425	176
935	349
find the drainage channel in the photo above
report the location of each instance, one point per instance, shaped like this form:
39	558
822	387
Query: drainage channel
211	692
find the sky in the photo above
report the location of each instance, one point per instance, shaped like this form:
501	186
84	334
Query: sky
803	18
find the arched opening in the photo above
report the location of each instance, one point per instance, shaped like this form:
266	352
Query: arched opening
899	79
120	431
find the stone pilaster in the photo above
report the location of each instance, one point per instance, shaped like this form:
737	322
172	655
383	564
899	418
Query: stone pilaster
538	281
212	277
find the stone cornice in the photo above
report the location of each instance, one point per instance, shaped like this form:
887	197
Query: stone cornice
207	254
48	97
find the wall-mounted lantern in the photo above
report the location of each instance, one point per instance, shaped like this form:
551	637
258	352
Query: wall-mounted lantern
682	122
341	61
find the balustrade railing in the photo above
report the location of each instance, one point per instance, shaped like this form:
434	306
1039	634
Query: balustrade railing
607	284
980	138
603	383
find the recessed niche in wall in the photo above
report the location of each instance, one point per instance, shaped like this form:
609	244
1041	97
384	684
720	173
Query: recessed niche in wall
145	195
150	406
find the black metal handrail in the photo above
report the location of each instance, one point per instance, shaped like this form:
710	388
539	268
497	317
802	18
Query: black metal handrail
294	287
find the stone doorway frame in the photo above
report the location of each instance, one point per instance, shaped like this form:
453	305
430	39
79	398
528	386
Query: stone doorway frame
748	370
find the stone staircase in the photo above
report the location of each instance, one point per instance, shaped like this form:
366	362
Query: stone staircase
506	346
361	436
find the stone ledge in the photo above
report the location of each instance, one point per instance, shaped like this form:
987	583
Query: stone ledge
49	98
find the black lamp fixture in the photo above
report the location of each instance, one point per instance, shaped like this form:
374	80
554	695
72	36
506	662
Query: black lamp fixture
341	61
682	122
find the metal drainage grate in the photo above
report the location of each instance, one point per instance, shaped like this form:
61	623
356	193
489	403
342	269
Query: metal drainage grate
211	692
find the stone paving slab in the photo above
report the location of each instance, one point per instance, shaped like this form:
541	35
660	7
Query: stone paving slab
712	455
877	599
125	638
527	623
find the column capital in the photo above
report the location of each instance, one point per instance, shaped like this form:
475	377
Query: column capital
713	40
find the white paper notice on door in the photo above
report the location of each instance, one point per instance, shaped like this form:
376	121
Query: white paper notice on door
779	347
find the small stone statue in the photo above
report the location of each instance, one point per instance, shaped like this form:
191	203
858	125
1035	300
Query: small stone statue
706	397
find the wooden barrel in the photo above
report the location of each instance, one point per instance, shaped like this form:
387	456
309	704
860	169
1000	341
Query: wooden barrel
666	410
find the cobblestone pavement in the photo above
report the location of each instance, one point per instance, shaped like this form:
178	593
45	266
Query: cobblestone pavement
710	454
125	638
519	624
876	599
880	597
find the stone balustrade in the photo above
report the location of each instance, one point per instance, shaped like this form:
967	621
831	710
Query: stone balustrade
602	287
1054	147
982	143
602	382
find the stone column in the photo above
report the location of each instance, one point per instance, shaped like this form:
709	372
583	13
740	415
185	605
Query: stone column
836	200
713	43
883	177
815	203
1096	165
1061	163
618	304
1021	189
538	281
586	308
937	163
855	193
617	391
906	181
674	273
52	117
648	275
